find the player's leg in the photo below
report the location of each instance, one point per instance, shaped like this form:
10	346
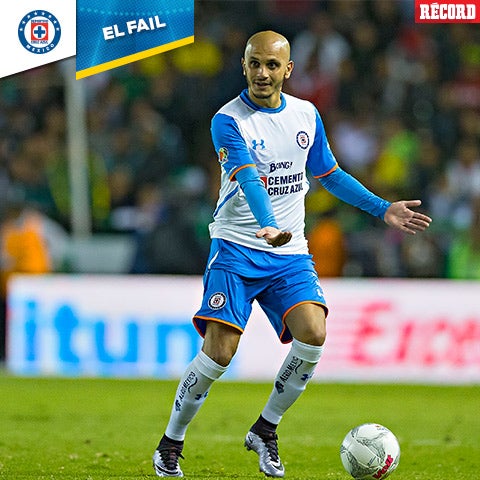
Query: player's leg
220	344
296	309
306	322
307	325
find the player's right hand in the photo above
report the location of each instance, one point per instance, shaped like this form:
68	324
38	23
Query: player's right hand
273	236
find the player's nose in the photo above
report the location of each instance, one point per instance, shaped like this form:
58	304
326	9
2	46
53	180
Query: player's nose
261	71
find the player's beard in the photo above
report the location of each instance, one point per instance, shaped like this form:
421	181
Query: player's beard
273	89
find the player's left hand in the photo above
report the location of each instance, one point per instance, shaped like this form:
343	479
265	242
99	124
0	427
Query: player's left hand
273	236
399	215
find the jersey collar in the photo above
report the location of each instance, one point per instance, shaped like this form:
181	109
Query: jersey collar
246	99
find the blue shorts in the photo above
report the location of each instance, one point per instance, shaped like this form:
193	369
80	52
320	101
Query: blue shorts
236	276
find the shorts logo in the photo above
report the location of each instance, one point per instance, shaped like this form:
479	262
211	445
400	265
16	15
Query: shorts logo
222	155
303	139
39	31
217	301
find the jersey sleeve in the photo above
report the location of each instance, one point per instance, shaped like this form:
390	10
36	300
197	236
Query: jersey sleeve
350	190
321	160
257	197
230	145
235	158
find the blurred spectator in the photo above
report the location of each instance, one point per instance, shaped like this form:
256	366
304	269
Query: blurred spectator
318	53
57	171
365	48
422	257
397	159
30	243
288	15
320	48
464	254
387	19
164	243
326	243
158	145
463	70
356	142
463	182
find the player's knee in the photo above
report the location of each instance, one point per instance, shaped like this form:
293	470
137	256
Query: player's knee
316	337
221	356
220	343
308	325
220	352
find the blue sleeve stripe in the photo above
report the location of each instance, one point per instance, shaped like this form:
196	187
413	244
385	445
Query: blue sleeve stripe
320	160
350	190
327	173
232	174
257	197
225	200
226	134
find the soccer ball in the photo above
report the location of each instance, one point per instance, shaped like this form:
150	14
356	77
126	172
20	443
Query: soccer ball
370	451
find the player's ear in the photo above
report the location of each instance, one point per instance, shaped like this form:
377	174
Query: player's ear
289	69
243	67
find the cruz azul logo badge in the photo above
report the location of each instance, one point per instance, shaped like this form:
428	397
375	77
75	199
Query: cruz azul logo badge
303	139
39	31
217	301
447	11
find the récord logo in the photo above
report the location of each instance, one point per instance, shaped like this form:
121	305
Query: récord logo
447	12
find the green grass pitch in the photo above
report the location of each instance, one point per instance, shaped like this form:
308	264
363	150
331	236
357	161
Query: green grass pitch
92	429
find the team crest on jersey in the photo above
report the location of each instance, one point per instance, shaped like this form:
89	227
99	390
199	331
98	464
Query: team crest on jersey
217	301
222	155
39	31
303	140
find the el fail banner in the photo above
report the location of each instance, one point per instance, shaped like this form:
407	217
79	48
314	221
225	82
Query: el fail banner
118	32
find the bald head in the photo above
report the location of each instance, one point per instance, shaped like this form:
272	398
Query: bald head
266	65
269	41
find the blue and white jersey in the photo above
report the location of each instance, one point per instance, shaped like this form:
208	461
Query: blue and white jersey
281	143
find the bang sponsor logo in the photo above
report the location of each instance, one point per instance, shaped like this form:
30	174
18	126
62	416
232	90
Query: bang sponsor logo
39	31
447	12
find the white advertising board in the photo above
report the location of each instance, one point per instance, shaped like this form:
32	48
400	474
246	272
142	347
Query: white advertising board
140	326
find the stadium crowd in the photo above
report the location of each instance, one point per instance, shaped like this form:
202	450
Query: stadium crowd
400	102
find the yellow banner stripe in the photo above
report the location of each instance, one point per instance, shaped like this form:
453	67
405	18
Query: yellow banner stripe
133	58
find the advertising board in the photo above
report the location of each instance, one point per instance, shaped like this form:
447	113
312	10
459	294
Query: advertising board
425	331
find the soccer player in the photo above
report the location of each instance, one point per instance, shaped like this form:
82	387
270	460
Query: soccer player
265	140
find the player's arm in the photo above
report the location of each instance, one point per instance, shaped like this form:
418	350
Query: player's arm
240	167
261	207
323	165
350	190
396	214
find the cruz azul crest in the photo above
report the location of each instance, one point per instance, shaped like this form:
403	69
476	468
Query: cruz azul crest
39	31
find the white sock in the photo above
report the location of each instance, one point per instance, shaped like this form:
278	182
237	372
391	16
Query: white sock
291	379
191	393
